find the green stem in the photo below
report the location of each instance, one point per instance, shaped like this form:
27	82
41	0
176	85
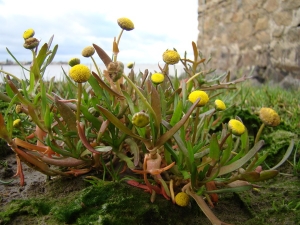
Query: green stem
79	101
96	66
196	124
119	37
259	133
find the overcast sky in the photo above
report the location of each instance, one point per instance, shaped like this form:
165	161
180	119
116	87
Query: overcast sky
159	25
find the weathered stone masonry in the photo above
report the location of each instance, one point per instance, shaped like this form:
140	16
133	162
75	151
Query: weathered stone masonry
242	34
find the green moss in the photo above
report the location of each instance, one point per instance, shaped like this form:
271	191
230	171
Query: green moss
275	203
115	204
33	207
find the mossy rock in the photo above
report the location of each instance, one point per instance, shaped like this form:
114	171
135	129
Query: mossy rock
116	203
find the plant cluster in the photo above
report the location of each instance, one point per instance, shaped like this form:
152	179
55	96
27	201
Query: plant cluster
154	126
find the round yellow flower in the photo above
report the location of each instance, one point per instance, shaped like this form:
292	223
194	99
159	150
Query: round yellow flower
182	199
80	73
219	105
130	65
31	43
236	126
157	78
171	57
74	61
140	119
88	51
269	117
28	33
17	123
199	94
125	23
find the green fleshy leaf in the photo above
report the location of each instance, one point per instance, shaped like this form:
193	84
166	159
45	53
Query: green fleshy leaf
267	174
95	85
66	113
155	102
239	163
42	55
105	87
226	153
134	149
176	114
167	135
114	120
286	155
250	176
214	152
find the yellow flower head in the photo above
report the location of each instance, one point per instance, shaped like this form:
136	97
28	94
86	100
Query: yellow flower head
182	199
130	65
236	126
31	43
140	119
17	123
199	94
74	61
80	73
171	57
28	33
88	51
269	117
157	78
125	23
219	105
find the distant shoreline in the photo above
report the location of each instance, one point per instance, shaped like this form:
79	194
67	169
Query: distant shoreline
10	63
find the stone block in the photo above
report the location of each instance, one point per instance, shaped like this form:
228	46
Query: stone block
263	36
245	28
293	35
278	32
262	24
271	5
237	16
290	4
283	18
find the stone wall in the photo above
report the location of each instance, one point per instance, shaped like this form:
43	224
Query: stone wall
245	34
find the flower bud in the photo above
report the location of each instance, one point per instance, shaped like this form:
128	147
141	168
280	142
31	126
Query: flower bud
115	70
17	123
140	119
74	61
269	117
219	105
88	51
28	33
31	43
18	109
236	127
125	23
130	65
199	94
157	78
